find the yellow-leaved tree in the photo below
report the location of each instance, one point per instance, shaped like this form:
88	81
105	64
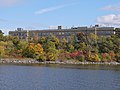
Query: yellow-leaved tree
39	54
33	51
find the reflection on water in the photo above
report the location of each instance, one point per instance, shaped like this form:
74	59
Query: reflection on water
59	77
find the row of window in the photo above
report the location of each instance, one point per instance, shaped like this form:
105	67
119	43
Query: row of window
105	33
19	34
54	33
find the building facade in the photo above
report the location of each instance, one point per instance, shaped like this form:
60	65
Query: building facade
61	33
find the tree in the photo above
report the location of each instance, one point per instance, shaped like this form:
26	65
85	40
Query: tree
112	55
10	49
33	51
53	39
38	49
105	44
82	46
1	36
39	54
81	37
70	48
2	49
51	51
49	45
92	38
1	32
63	44
105	57
117	30
43	41
52	54
29	51
94	57
16	41
116	44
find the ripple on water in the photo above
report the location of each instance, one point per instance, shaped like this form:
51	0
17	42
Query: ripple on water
56	78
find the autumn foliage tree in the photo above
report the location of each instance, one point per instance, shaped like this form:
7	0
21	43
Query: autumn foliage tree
33	51
79	46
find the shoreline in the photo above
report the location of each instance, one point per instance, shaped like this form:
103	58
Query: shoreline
32	61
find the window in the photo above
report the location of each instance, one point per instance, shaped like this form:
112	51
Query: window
63	33
59	33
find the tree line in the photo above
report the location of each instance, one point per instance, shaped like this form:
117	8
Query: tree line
81	47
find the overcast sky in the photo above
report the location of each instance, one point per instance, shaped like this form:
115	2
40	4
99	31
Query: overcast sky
44	14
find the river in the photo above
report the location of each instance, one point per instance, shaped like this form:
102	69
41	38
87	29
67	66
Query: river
59	77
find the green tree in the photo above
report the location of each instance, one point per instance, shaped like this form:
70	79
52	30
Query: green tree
53	39
16	42
1	36
117	30
43	41
10	49
82	46
81	37
52	54
50	44
29	51
2	49
63	44
70	48
105	44
51	51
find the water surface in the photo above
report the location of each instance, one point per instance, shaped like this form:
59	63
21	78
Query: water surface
59	77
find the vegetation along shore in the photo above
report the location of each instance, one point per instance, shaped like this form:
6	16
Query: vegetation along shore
81	49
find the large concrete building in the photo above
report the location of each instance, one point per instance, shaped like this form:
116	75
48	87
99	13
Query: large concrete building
62	33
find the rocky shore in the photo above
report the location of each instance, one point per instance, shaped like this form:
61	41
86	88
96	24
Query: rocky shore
15	61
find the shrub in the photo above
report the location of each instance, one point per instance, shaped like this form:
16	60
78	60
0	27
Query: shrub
105	57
